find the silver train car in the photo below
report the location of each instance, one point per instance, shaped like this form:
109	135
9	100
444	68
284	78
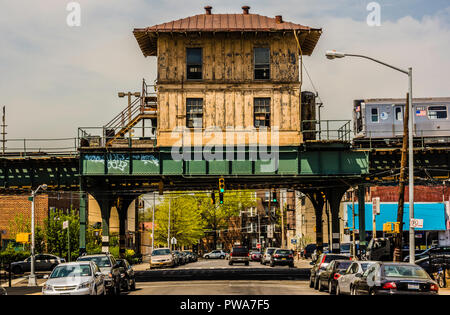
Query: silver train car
381	120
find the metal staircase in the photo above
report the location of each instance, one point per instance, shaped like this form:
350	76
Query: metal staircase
143	107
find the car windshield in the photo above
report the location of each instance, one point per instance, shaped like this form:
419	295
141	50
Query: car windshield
283	252
240	250
404	271
343	265
330	258
101	261
158	252
71	271
270	251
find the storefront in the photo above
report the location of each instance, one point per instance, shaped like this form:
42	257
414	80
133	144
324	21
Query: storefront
435	218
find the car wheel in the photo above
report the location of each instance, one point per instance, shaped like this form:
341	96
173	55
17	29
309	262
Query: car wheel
222	257
291	265
311	282
117	288
206	257
133	286
338	289
321	286
316	284
230	263
352	291
330	288
247	263
373	292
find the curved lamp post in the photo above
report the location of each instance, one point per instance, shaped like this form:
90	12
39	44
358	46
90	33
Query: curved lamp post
332	54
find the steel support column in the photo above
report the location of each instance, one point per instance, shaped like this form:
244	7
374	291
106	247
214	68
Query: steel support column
122	204
318	202
83	218
334	197
362	216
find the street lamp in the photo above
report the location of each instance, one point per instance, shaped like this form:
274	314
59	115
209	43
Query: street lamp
333	54
32	278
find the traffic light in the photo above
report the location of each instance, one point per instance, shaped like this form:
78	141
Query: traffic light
221	198
221	185
274	196
213	198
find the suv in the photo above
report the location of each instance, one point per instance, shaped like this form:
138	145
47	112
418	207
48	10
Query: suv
265	258
42	262
320	265
109	267
282	257
239	254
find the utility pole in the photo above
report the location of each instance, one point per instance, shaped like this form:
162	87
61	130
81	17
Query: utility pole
401	194
153	221
4	130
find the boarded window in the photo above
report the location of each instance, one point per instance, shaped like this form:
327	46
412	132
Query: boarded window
374	115
261	112
262	63
437	112
194	63
194	112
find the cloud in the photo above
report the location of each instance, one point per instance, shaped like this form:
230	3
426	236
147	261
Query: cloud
55	78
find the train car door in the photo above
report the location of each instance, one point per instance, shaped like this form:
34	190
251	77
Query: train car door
398	120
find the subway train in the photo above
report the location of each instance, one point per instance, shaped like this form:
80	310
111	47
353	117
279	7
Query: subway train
380	121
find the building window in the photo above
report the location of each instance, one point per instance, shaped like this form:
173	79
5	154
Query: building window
262	63
374	115
437	112
194	63
261	112
194	112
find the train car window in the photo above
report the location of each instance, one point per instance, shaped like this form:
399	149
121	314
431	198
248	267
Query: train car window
374	114
437	112
398	114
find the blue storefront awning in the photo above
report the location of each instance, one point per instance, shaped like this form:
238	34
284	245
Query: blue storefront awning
433	215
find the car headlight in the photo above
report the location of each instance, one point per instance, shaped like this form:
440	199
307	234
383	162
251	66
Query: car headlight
48	287
85	285
122	275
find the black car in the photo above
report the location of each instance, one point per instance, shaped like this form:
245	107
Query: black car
389	278
282	257
110	268
128	280
439	250
328	279
192	257
320	266
308	250
42	262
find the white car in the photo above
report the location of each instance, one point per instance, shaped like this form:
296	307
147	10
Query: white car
215	254
345	282
75	278
162	257
265	258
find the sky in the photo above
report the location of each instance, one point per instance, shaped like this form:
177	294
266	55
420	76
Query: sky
55	78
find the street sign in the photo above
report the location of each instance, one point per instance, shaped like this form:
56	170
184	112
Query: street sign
65	225
258	246
376	205
416	223
23	238
173	241
293	241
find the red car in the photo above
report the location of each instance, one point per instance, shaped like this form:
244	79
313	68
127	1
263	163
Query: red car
255	256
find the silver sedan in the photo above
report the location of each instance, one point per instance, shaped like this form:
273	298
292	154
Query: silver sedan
75	278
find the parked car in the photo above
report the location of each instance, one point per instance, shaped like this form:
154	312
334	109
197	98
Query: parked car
315	255
162	257
282	257
329	277
215	254
308	250
126	275
75	278
346	249
42	262
438	250
109	268
255	256
433	262
394	278
192	257
346	281
319	266
265	259
181	259
239	254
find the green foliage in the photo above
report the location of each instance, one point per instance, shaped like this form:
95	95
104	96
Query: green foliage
57	237
186	223
10	255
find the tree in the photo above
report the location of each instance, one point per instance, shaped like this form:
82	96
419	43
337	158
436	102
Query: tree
186	223
57	237
22	224
216	216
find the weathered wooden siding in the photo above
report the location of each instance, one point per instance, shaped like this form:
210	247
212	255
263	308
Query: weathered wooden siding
228	88
227	57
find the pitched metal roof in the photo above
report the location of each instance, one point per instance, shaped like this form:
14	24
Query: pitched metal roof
147	37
